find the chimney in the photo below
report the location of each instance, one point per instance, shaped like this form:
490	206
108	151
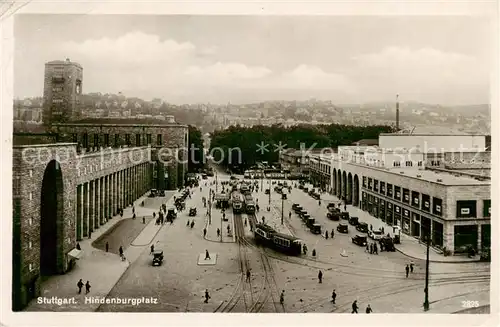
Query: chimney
397	112
170	119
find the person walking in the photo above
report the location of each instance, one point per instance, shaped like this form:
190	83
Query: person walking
289	214
411	266
207	255
79	285
332	233
345	207
320	277
152	248
367	247
143	220
282	297
90	234
248	275
245	222
87	287
371	248
369	309
407	270
192	224
314	253
78	246
218	232
120	250
355	306
204	232
375	248
326	234
207	296
334	296
107	246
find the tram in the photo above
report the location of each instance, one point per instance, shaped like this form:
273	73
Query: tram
267	236
237	202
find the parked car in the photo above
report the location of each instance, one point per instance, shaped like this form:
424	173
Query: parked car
315	228
345	215
387	244
157	257
267	191
354	221
362	227
343	228
295	206
333	216
162	192
330	205
360	240
192	212
375	234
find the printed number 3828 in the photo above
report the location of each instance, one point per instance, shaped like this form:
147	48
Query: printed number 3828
470	304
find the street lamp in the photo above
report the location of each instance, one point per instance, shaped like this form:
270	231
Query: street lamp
282	207
216	182
426	289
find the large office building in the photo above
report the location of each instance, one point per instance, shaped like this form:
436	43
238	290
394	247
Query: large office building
425	184
61	91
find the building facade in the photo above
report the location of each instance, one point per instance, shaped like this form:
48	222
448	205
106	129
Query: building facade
452	207
61	92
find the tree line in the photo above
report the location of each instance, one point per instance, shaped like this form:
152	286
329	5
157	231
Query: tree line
262	143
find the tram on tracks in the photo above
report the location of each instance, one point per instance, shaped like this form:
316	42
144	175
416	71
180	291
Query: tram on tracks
237	201
265	235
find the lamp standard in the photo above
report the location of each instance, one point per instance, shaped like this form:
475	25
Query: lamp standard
216	182
282	207
426	289
269	191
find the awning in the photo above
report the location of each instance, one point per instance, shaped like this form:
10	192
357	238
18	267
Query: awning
75	253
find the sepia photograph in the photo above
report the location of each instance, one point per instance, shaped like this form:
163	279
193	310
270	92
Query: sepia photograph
247	163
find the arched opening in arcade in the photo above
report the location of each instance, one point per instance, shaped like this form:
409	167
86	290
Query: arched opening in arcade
339	184
344	186
355	191
51	220
349	189
334	182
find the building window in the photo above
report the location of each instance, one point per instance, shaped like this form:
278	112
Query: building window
466	209
415	201
31	172
148	139
364	181
375	185
396	163
389	190
382	188
57	89
159	140
397	193
31	196
117	140
96	140
409	164
106	140
137	139
420	163
436	206
127	139
369	183
85	140
426	202
74	137
406	195
487	208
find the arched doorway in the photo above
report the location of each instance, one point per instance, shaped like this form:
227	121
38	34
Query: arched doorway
344	185
51	220
334	182
349	189
355	191
339	184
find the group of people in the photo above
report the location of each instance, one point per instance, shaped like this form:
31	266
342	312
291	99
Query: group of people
80	286
372	248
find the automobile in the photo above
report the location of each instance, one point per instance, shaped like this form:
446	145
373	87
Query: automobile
172	213
233	178
192	212
387	244
310	222
315	228
359	240
330	205
353	221
375	234
343	228
344	215
306	217
267	191
161	193
298	209
283	196
301	186
157	257
362	227
333	216
204	176
295	206
152	193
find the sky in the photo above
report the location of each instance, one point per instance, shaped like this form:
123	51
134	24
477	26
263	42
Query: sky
244	59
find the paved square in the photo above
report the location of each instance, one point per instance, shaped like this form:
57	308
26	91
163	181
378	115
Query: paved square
209	262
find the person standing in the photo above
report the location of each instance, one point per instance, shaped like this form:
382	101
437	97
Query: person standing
355	306
334	296
326	234
80	285
248	275
369	309
87	287
332	233
143	220
107	246
204	232
411	266
375	248
289	214
207	296
120	250
282	297
320	276
152	248
407	270
207	255
218	232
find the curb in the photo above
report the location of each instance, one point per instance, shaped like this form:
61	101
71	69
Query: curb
437	261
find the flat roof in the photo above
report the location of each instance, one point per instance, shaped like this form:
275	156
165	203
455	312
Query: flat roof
120	121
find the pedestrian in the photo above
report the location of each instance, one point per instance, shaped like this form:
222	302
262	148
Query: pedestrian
371	227
371	248
304	249
133	209
192	224
80	285
326	234
332	233
204	232
289	214
218	232
248	275
87	287
207	255
187	224
355	306
133	217
152	248
367	247
245	222
207	296
228	229
407	270
90	234
314	253
319	202
78	246
375	248
143	220
263	219
334	296
411	267
345	207
369	309
382	229
282	297
107	246
320	276
154	214
120	250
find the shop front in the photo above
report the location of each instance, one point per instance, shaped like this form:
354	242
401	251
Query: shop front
415	225
389	214
406	222
437	233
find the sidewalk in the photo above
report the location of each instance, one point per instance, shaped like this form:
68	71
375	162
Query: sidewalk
102	269
410	246
217	222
